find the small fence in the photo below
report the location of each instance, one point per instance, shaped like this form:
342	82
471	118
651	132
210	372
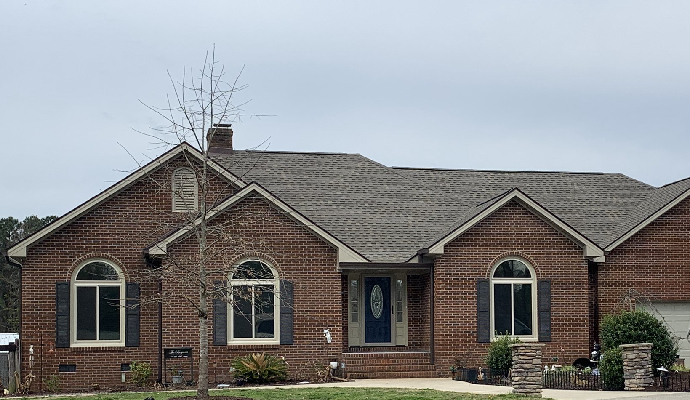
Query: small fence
571	380
483	376
672	382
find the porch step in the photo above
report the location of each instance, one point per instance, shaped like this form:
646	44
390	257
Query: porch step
389	365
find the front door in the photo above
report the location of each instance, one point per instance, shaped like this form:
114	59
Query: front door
377	310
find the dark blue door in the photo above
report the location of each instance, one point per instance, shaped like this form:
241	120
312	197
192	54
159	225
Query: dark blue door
377	310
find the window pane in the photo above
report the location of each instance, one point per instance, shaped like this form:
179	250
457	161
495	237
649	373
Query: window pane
242	312
263	311
354	296
512	269
86	313
522	297
109	313
502	309
253	270
97	271
398	300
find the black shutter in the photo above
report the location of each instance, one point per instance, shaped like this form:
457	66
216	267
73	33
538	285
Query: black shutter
286	312
132	315
220	319
544	298
483	311
62	314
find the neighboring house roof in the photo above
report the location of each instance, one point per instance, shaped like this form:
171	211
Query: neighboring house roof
19	249
345	253
8	338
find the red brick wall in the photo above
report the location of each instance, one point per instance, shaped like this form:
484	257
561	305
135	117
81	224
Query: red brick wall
655	263
254	228
511	230
418	292
117	230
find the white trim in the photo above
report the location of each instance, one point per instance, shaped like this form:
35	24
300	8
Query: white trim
589	248
20	249
648	220
345	253
275	282
74	284
532	281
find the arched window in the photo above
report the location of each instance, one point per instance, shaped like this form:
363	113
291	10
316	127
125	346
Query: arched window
255	304
185	190
98	299
513	299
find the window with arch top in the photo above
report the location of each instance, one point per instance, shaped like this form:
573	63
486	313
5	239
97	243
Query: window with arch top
255	303
513	299
98	304
185	190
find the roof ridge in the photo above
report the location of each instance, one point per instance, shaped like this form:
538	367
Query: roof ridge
326	153
674	182
512	172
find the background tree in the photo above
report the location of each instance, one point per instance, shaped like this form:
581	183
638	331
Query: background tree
12	231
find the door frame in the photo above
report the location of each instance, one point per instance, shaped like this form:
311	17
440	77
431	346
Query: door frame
356	329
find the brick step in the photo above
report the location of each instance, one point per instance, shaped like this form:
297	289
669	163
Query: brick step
390	368
387	362
392	374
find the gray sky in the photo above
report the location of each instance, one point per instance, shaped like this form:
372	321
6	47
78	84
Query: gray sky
515	85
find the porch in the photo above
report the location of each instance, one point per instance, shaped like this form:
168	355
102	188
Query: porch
388	318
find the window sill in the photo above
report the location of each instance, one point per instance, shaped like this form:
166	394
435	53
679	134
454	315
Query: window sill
96	348
249	346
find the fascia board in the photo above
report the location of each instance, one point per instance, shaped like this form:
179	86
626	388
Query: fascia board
663	210
590	249
20	249
345	253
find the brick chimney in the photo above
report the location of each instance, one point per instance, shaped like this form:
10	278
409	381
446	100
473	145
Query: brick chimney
219	138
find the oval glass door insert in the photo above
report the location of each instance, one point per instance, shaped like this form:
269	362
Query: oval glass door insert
376	301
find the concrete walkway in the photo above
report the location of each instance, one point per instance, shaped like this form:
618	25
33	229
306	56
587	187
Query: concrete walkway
449	385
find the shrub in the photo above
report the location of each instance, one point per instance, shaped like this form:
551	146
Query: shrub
140	372
500	356
52	383
611	369
631	327
259	368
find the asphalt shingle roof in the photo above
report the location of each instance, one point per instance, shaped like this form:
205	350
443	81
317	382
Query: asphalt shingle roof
387	214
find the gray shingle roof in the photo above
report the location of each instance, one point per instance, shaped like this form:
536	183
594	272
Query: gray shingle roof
387	214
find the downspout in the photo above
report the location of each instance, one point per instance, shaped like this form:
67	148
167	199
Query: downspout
432	353
160	334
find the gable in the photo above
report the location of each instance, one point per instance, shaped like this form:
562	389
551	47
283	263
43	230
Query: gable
345	253
481	212
19	250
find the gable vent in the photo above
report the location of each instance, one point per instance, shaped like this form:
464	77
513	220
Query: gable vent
185	191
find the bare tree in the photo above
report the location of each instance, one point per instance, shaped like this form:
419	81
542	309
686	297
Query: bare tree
201	102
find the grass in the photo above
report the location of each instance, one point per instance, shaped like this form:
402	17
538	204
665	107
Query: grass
310	394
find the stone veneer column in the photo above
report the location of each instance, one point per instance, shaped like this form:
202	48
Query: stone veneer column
637	365
526	373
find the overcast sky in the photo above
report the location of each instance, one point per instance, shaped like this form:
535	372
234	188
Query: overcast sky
515	85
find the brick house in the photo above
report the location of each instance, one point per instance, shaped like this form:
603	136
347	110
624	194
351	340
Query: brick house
410	270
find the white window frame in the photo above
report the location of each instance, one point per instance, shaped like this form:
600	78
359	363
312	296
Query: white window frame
533	281
179	202
74	284
275	282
